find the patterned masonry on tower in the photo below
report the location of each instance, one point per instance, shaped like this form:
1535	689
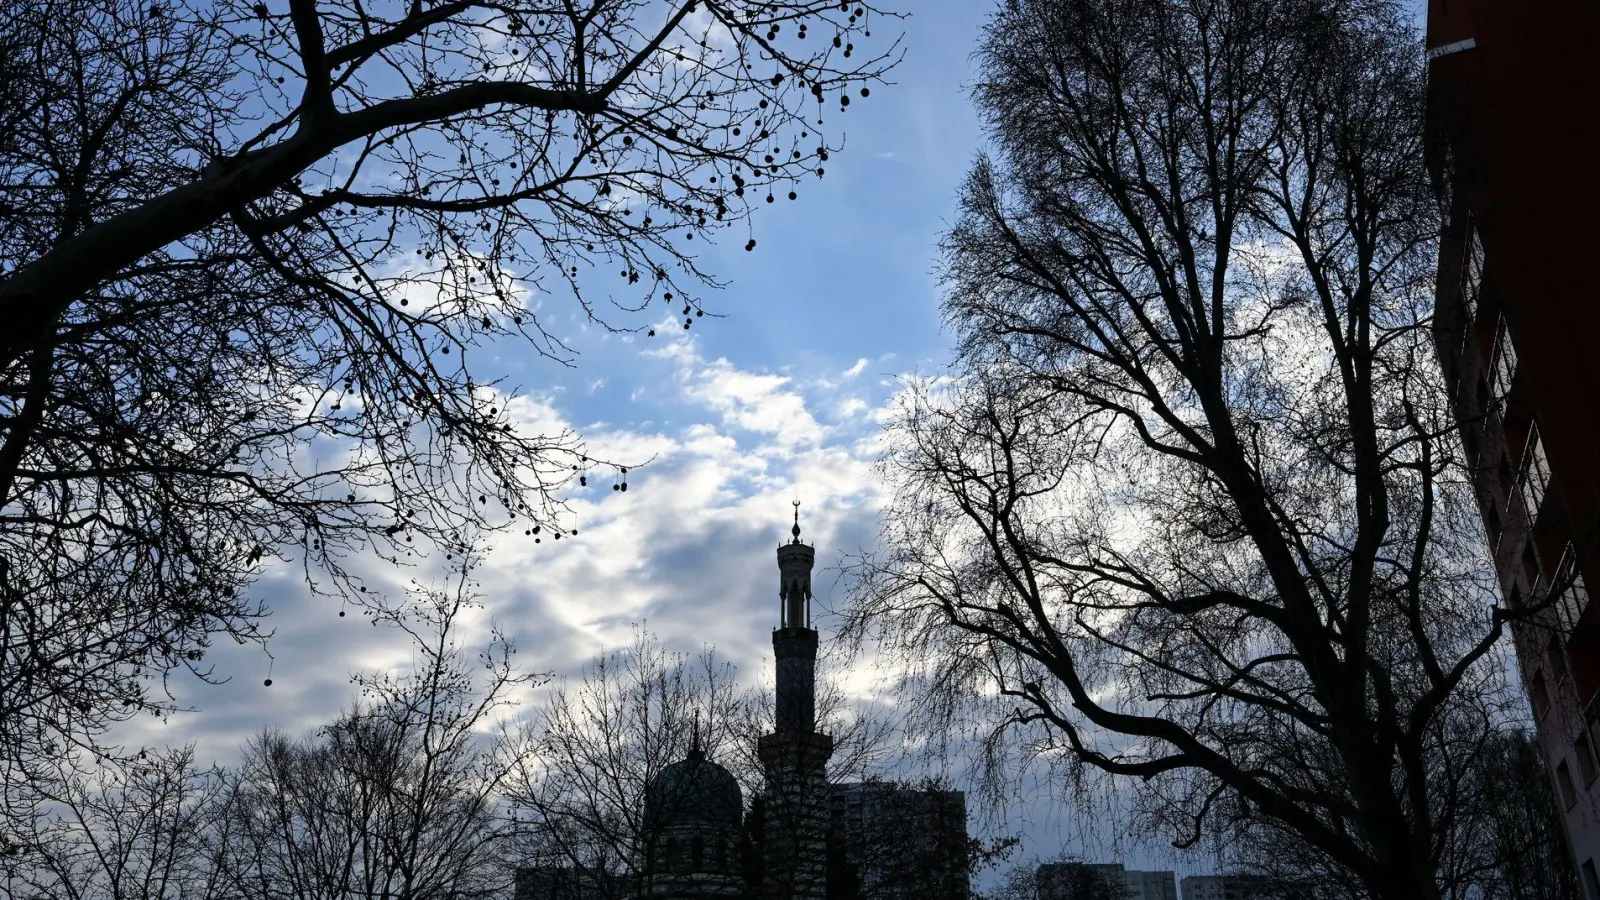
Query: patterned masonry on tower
794	643
795	755
795	850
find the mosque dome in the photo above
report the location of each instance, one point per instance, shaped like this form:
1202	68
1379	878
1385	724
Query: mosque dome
695	791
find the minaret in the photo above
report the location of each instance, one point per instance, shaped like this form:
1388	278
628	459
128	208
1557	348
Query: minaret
795	755
794	642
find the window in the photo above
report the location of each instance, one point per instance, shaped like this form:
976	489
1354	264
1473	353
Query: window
1503	368
1471	277
1573	597
1556	657
1540	694
1585	753
1591	882
1535	477
1564	785
1526	638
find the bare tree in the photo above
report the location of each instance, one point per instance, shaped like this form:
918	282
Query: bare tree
250	250
1507	841
588	756
1060	878
136	831
1190	509
397	798
1517	836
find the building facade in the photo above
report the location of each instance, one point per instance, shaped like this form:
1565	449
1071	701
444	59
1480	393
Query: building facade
1222	887
826	840
804	837
1511	90
900	843
694	815
1151	885
1102	881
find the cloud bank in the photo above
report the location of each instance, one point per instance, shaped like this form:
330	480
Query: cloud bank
688	549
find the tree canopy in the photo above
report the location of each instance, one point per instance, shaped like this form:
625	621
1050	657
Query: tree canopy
1190	508
253	258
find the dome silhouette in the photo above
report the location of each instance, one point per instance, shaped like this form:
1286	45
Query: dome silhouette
695	791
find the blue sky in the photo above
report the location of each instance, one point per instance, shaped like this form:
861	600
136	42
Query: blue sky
782	395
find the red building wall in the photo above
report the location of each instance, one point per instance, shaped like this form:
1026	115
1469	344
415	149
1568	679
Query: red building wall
1514	110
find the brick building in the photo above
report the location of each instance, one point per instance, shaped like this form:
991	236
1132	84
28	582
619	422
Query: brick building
1511	103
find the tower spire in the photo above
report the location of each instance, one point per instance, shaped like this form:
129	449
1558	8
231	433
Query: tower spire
795	643
795	754
794	585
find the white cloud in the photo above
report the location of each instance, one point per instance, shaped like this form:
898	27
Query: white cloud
760	402
699	23
688	548
852	406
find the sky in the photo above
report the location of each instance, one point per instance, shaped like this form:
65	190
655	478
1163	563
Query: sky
778	397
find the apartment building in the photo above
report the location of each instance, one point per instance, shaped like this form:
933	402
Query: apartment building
1512	90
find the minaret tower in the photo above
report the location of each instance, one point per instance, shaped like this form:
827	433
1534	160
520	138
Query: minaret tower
795	755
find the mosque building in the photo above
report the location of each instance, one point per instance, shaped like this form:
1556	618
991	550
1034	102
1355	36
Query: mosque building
804	837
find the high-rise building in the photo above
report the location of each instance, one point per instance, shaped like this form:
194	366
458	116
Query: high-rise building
1151	885
901	843
1222	887
1102	881
1511	95
1078	881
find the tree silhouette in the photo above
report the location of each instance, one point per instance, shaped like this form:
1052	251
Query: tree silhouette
1506	841
397	797
1060	878
1190	510
138	831
251	257
585	761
